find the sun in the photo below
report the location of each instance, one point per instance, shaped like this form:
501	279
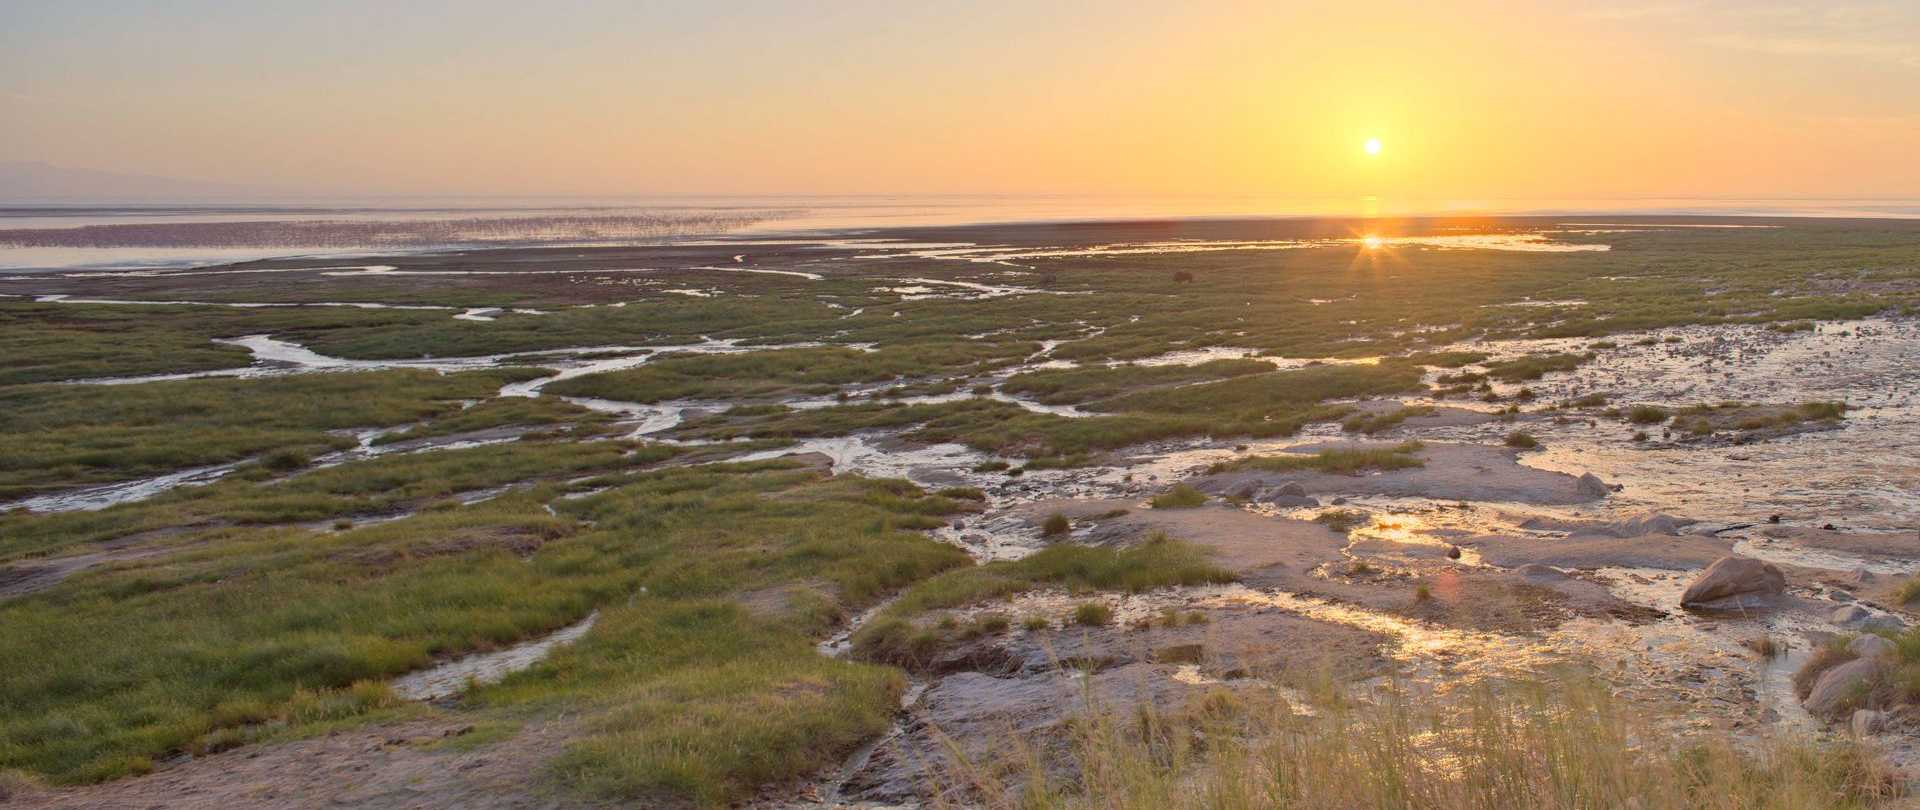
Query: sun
1371	242
1372	146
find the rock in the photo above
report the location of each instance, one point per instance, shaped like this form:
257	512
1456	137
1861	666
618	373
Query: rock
1883	621
1773	518
1849	615
1540	573
1453	552
1651	524
1735	583
1339	501
1591	486
1862	576
1246	493
1854	617
1867	722
1292	488
1872	646
1839	689
1290	501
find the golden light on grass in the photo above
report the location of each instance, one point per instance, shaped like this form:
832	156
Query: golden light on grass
1372	146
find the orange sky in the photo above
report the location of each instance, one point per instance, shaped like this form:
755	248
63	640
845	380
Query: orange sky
1471	101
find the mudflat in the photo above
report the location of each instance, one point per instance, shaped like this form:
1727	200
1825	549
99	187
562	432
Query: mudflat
831	519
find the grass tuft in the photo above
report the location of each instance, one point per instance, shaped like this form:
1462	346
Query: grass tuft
1092	614
1339	461
1180	496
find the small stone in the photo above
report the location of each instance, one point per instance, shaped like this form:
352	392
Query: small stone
1453	552
1848	615
1867	722
1291	488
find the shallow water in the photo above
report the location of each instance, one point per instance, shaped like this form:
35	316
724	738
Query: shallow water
1864	474
453	677
95	498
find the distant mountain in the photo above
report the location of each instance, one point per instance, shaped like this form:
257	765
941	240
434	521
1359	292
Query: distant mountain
22	181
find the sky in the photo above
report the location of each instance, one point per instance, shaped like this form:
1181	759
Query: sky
1470	100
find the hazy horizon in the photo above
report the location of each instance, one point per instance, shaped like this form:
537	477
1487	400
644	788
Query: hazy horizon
1478	101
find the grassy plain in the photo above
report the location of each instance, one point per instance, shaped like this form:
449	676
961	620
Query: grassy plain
64	435
247	632
288	595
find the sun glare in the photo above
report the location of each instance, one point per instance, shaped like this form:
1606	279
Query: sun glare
1371	242
1372	146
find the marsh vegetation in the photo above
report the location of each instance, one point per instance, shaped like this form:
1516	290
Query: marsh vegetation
759	617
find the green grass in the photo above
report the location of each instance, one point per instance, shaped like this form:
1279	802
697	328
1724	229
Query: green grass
1445	359
789	372
1375	423
1338	460
366	488
895	637
1258	300
60	436
1534	366
1647	415
254	627
1342	520
1092	614
1261	396
52	342
244	628
1074	385
1000	427
1707	418
498	413
1180	496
